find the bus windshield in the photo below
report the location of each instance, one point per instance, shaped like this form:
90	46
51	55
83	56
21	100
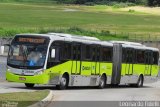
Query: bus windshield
27	55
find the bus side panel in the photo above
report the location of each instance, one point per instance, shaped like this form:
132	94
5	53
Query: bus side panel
129	69
154	71
106	68
78	67
93	68
74	68
62	68
57	71
109	69
97	68
138	69
86	68
103	68
123	69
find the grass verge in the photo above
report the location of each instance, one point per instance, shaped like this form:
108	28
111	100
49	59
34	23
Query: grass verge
22	99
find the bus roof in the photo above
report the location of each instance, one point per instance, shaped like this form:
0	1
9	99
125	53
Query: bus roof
91	40
127	43
135	45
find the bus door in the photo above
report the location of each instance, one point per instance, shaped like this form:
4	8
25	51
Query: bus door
95	60
76	56
130	55
93	63
148	62
98	53
86	64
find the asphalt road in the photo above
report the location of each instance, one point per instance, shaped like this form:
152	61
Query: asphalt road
3	61
121	96
90	96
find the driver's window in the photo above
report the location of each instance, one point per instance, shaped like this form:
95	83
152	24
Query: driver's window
54	54
16	51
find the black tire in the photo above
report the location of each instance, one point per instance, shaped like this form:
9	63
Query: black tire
102	82
114	85
63	83
29	85
140	81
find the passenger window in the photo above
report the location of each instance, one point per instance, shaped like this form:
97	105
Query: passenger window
123	55
140	56
79	52
98	54
66	51
148	57
155	58
76	51
94	53
57	45
86	52
106	54
129	56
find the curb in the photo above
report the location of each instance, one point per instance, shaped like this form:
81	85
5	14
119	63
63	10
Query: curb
45	101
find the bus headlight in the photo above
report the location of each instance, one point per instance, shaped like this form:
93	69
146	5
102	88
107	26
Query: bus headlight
8	70
38	72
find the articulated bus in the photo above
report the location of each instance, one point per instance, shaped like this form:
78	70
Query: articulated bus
68	60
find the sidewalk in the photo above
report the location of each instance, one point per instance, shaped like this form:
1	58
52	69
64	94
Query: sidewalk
7	87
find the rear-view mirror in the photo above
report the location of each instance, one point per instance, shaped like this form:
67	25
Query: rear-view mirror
53	53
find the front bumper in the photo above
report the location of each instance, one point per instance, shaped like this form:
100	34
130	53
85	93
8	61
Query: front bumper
36	79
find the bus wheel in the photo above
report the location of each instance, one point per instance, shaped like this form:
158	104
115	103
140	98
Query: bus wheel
140	81
29	85
102	82
63	83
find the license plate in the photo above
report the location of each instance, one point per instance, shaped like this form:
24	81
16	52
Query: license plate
22	78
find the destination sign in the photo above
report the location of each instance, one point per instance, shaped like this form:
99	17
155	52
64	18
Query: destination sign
31	40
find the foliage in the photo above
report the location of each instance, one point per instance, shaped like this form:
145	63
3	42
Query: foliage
153	2
131	10
103	35
116	3
25	0
105	2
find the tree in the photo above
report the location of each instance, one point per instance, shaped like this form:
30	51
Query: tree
153	2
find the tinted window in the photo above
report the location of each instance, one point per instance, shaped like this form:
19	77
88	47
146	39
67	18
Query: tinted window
106	53
94	53
124	55
66	51
76	51
140	56
86	52
130	55
58	46
148	57
155	58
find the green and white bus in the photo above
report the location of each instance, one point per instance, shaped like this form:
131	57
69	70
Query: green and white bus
69	60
